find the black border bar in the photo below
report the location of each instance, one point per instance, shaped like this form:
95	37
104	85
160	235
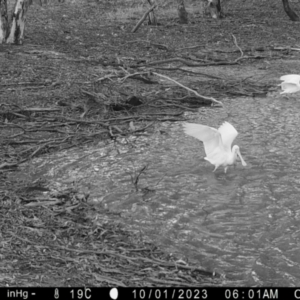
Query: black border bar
207	293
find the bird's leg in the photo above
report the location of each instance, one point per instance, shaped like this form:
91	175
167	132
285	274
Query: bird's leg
216	167
225	169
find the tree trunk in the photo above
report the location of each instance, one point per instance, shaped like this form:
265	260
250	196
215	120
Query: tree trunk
3	21
293	16
182	13
17	27
215	8
151	17
13	33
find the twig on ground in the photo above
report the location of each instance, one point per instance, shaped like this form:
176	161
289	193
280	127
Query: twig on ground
191	47
189	63
6	165
190	71
136	177
132	75
161	46
286	48
190	90
235	42
106	77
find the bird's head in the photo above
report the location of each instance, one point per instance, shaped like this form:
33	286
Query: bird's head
237	153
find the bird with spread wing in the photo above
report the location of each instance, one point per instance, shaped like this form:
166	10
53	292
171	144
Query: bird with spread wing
217	143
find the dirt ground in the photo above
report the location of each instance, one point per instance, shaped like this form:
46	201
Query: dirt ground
82	76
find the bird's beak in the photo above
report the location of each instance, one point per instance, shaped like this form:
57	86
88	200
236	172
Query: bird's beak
240	156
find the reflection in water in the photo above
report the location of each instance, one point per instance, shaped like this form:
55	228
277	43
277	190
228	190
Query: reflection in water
245	224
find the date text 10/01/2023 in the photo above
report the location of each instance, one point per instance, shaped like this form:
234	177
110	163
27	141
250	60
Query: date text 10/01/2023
212	293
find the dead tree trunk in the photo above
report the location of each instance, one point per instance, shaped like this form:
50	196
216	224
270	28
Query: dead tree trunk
215	8
3	21
182	13
13	33
17	27
292	15
151	16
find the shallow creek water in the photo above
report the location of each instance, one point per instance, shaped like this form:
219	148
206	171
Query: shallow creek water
244	224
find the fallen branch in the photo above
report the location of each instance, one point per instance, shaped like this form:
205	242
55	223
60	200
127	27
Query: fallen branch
132	75
286	48
106	77
136	177
188	89
191	47
188	63
160	46
190	71
8	165
142	19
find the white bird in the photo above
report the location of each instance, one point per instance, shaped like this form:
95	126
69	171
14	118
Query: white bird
217	143
290	84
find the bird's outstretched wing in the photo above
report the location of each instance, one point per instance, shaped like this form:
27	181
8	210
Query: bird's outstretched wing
291	78
210	137
228	134
289	88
